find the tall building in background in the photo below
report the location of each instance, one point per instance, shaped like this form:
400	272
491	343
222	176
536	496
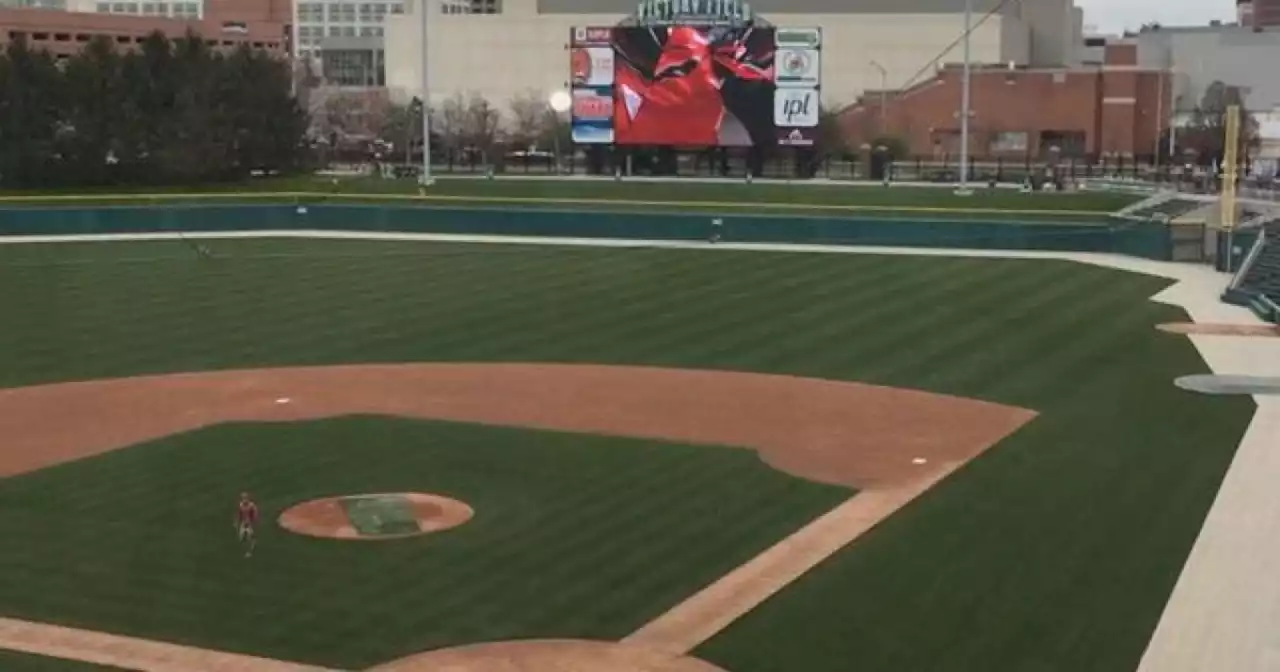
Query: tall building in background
1258	13
316	20
279	11
501	49
63	33
33	4
165	9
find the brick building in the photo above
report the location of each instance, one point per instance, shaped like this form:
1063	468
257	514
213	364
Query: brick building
1258	13
1116	108
228	24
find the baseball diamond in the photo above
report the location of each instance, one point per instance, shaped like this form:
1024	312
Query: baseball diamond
657	457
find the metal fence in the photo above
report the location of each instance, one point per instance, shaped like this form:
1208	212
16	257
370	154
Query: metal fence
800	165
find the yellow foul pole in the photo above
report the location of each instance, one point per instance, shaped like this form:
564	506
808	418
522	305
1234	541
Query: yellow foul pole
1230	167
1230	175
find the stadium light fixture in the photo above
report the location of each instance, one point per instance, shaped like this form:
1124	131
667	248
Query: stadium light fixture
560	101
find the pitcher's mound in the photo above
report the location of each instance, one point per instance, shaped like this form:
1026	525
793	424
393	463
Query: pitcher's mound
548	655
382	516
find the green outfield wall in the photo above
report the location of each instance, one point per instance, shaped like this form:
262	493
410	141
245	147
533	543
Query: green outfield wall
1149	240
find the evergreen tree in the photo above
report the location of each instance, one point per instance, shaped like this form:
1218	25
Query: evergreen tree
170	112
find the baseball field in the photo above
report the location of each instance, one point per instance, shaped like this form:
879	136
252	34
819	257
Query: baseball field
691	459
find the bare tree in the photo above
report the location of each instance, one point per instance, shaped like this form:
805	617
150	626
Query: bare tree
482	124
348	114
529	119
451	122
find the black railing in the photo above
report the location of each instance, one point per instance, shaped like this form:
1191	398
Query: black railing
738	164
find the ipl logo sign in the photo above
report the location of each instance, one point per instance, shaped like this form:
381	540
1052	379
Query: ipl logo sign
798	68
795	108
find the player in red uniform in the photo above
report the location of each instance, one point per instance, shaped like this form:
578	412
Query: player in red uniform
246	519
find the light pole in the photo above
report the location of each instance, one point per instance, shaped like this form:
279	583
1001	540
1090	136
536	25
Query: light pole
560	102
415	106
964	101
884	86
424	6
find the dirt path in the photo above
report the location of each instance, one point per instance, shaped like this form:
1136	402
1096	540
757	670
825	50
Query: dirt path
1203	329
130	653
891	444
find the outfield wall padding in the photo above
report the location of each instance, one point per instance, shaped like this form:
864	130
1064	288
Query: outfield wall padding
1149	240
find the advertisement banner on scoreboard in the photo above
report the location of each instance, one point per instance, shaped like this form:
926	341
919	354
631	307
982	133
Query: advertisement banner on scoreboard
592	115
797	137
591	36
796	108
591	66
805	38
798	67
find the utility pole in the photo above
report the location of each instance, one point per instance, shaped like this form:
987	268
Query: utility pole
424	6
964	100
884	87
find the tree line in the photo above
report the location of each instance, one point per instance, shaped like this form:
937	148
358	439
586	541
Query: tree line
168	112
463	123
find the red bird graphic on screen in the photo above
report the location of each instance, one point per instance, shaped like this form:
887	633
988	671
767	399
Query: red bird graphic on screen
682	103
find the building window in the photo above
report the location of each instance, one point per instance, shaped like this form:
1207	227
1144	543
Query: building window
353	68
104	8
119	8
335	31
311	12
149	9
1007	142
397	8
342	13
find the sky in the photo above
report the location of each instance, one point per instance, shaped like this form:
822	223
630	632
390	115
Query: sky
1113	16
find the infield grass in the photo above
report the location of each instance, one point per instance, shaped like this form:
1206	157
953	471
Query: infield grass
12	661
1055	551
573	536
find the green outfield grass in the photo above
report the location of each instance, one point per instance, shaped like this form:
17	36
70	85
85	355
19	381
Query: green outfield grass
582	194
1055	551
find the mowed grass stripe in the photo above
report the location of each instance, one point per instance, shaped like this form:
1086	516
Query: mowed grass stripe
753	333
1015	293
925	291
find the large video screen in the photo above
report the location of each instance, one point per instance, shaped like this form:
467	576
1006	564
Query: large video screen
693	86
696	86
